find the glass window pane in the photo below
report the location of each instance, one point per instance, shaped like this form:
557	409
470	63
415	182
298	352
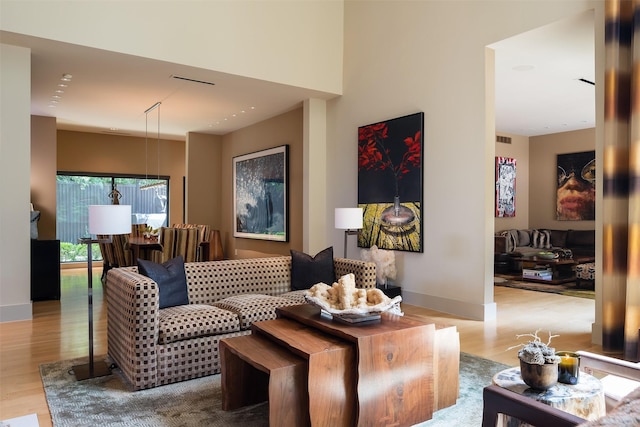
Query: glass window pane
148	200
74	194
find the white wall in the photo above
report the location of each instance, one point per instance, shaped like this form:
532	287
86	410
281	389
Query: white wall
43	174
404	57
543	160
295	43
15	151
400	57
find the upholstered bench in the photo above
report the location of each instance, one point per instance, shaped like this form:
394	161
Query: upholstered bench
586	273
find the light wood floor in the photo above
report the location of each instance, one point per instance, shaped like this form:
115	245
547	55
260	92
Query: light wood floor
59	331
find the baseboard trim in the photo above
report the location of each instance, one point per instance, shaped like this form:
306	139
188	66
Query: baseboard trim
16	312
464	309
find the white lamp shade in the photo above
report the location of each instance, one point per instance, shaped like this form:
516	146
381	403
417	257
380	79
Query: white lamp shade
109	219
348	218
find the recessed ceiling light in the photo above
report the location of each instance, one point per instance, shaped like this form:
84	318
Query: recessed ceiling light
66	77
63	85
59	91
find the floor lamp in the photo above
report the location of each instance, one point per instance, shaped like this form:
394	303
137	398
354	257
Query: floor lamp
109	220
349	220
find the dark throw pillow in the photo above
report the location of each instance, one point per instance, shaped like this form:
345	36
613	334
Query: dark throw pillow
171	280
306	270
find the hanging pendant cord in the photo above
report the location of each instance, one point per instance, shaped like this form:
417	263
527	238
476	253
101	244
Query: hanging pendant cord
158	143
146	146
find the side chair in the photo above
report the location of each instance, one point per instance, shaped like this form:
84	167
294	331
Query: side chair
210	246
177	241
115	254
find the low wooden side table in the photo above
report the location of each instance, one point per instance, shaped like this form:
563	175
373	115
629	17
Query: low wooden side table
394	365
585	399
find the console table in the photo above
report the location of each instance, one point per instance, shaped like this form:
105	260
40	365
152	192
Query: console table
45	270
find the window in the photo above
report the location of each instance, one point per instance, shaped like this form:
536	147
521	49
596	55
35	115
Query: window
75	192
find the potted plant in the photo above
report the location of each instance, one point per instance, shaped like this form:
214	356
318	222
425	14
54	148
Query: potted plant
538	362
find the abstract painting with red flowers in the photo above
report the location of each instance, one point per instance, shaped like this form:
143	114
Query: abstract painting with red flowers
390	183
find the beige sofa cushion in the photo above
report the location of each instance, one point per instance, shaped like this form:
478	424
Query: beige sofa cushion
297	296
184	322
254	307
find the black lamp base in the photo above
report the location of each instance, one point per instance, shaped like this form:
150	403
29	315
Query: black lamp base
83	372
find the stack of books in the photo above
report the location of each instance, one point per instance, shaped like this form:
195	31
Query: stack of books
538	273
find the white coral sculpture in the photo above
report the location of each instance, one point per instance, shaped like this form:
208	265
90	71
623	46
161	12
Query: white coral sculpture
385	263
343	297
536	352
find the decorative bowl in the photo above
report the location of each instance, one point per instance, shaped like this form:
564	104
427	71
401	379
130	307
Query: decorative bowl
547	255
539	377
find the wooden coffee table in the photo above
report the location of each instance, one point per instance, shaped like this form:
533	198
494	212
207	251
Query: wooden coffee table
562	269
384	372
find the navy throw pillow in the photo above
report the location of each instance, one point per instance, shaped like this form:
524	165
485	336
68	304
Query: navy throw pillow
306	270
171	280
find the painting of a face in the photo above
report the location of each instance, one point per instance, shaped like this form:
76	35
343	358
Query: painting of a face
576	191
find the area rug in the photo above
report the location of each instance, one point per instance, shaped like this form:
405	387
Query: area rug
107	401
567	289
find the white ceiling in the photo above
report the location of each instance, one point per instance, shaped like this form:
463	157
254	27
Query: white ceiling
537	88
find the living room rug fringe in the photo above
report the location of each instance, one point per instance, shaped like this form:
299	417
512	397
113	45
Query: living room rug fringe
568	289
108	401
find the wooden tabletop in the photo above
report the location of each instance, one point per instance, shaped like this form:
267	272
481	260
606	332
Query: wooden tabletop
143	241
309	314
143	245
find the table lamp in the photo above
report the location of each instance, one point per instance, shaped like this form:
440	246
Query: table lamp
109	220
349	220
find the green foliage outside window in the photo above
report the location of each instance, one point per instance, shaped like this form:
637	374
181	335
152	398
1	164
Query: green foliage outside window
70	252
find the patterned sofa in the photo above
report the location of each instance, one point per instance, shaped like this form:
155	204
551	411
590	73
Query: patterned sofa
155	346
